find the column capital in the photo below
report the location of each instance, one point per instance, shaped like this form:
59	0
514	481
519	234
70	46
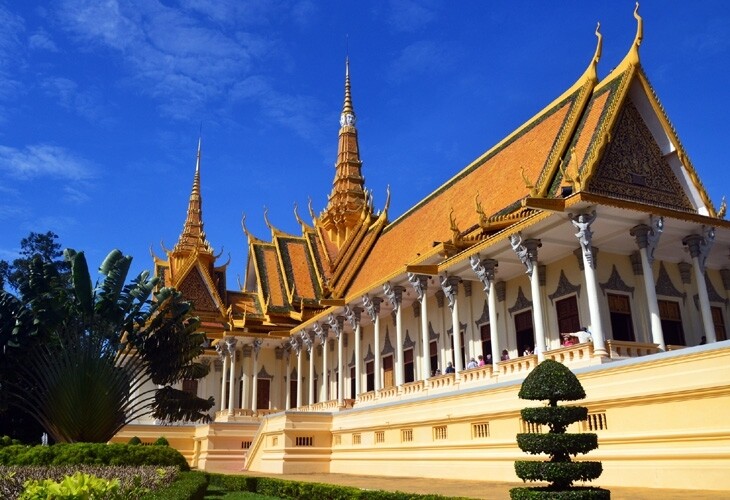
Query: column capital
371	306
336	323
295	344
231	343
526	250
306	340
647	236
222	349
353	315
394	294
420	284
450	286
321	331
582	223
484	269
699	245
256	345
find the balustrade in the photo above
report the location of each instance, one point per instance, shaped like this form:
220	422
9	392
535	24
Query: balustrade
619	349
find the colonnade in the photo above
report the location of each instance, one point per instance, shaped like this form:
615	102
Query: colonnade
349	316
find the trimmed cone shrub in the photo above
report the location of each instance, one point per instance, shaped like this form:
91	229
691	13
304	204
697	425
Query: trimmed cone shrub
553	381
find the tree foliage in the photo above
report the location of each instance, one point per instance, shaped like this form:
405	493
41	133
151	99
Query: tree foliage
553	381
90	358
43	246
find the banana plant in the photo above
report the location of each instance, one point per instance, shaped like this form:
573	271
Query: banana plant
114	352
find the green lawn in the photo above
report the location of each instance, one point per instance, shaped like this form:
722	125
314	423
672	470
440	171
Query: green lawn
216	493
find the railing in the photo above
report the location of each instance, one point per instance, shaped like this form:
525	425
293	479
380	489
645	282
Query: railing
413	387
571	354
441	381
366	397
476	374
619	349
388	392
518	366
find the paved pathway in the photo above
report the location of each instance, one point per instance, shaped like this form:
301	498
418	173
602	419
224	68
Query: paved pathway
480	489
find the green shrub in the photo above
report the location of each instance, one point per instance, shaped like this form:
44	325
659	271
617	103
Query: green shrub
187	486
8	441
92	454
553	381
76	486
161	441
134	441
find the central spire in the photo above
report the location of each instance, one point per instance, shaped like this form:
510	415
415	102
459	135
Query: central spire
193	236
348	198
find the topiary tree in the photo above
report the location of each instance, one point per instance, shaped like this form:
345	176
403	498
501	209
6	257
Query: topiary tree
553	381
161	441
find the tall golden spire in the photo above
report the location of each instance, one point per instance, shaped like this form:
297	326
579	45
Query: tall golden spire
348	197
193	236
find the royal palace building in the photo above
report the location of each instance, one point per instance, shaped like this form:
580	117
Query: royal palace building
584	236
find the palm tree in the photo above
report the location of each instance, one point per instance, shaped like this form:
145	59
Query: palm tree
89	353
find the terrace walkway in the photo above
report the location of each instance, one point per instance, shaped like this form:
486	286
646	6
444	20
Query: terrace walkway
480	489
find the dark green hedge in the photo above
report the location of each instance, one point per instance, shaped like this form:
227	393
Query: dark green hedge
542	493
552	381
557	444
557	417
561	474
92	454
187	486
299	489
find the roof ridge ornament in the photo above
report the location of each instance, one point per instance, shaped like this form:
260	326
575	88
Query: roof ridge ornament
633	56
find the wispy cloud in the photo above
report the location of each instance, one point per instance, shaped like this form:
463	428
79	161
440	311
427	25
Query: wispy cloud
421	57
75	195
43	160
85	103
173	55
293	111
409	16
41	40
12	55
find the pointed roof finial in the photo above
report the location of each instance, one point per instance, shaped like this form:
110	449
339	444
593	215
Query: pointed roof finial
193	235
347	118
599	44
634	52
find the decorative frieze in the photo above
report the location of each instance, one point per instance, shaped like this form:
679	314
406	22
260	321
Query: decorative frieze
432	335
501	289
408	343
246	350
615	282
264	374
685	272
462	328
522	302
565	287
440	298
636	266
369	356
578	252
664	285
467	288
542	275
484	318
416	305
387	346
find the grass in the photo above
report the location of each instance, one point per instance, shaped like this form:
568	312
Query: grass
218	493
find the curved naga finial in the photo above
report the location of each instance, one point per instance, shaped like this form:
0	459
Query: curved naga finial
639	26
723	209
245	229
311	210
266	218
599	44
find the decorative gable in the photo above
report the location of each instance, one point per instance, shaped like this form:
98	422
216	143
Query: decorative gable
633	167
194	289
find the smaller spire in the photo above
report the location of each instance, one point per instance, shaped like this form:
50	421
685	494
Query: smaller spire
347	118
193	235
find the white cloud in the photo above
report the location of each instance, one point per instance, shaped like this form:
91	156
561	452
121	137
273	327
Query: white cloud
11	51
409	16
424	56
75	195
43	160
85	103
41	40
180	59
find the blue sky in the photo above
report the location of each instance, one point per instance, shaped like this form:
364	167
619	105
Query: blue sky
101	103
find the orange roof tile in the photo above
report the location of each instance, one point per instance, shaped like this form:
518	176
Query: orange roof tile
496	177
298	267
269	274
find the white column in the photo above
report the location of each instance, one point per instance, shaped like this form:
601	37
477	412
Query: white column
256	347
372	307
222	349
450	284
647	239
582	223
394	294
287	403
309	344
485	271
245	376
300	355
420	285
336	325
527	253
353	315
231	341
321	332
699	248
